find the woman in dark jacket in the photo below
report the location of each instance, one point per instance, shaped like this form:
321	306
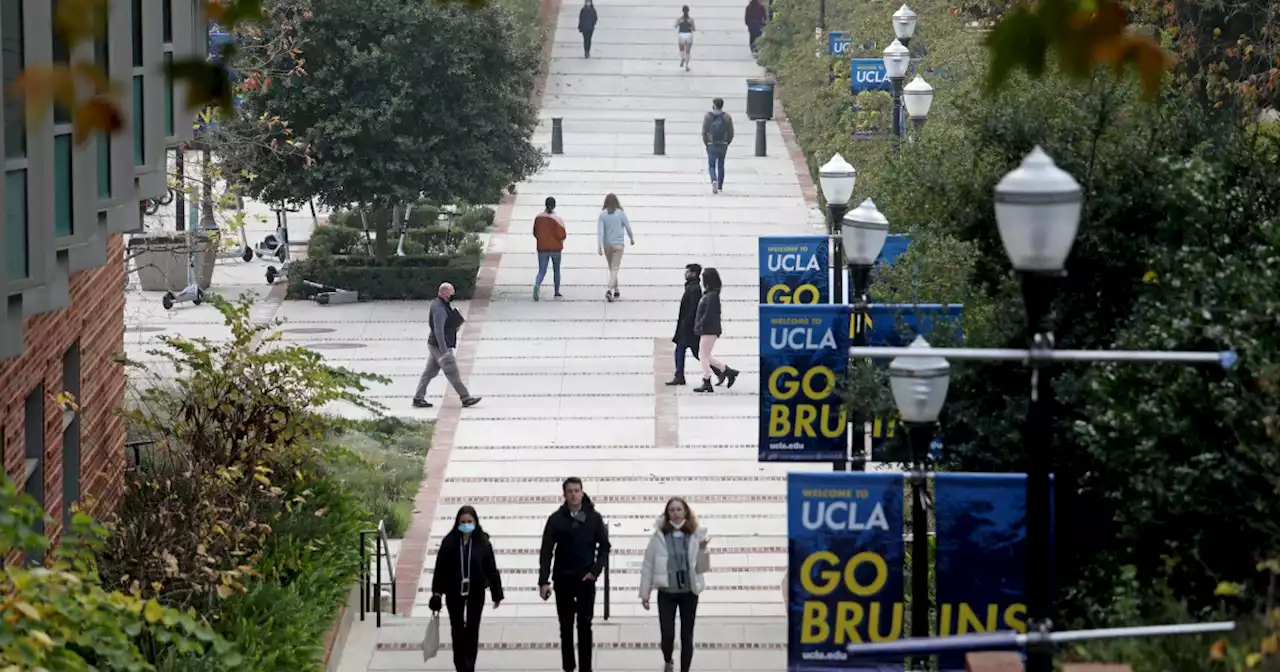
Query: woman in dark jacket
706	324
587	25
465	568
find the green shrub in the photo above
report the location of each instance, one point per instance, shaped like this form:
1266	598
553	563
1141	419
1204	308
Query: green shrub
400	278
476	219
327	241
381	470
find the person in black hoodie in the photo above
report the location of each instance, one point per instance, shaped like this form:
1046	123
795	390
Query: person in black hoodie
575	550
465	568
587	25
706	323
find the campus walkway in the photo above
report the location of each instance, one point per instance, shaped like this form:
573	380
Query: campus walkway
574	386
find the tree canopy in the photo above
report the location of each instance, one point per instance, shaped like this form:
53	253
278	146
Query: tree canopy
399	100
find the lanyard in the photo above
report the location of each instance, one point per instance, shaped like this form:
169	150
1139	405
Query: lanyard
464	554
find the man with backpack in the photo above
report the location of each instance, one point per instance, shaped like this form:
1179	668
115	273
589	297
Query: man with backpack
717	134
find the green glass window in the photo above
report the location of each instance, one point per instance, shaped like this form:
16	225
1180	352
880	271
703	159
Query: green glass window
15	111
168	95
167	12
18	263
139	126
137	33
63	204
61	54
104	166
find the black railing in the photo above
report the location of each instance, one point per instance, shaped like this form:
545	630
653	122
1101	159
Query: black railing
135	447
606	589
373	592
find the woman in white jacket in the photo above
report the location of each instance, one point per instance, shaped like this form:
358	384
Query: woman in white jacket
674	563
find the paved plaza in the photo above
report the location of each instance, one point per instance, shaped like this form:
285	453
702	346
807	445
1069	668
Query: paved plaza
575	386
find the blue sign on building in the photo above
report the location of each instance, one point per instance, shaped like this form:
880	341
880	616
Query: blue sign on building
838	43
868	74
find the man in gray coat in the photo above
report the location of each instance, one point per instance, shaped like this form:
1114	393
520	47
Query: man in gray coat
442	343
717	135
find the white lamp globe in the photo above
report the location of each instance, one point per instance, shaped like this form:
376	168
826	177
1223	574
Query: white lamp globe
896	60
837	178
904	23
863	232
1038	213
919	385
918	98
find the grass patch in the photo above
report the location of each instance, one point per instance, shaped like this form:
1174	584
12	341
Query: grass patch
380	462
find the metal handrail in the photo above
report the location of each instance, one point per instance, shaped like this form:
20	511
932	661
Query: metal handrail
993	641
136	447
381	550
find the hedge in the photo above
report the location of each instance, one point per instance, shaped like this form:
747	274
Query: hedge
328	241
400	278
474	219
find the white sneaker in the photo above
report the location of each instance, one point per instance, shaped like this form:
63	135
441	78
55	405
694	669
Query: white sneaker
714	189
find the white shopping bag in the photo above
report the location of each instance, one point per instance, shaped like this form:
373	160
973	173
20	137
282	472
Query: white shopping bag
431	641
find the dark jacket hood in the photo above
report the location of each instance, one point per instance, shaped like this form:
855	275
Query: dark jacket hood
587	505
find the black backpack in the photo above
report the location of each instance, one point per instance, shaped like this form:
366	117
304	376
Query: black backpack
717	129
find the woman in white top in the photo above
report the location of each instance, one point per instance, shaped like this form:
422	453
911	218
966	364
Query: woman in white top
612	232
674	563
684	36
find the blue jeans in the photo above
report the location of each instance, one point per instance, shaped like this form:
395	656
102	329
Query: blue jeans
680	350
543	258
715	163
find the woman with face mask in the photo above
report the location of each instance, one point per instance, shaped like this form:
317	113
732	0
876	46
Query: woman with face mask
465	568
674	563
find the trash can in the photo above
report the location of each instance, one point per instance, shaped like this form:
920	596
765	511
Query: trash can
760	99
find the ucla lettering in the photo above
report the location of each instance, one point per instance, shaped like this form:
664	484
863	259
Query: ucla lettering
793	263
800	338
842	516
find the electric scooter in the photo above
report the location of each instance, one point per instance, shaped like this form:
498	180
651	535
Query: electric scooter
278	245
243	251
332	296
404	230
192	291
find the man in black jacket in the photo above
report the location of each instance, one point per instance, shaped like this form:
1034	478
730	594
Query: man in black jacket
685	337
577	539
442	341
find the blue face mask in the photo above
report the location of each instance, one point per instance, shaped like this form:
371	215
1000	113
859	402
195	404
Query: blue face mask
467	528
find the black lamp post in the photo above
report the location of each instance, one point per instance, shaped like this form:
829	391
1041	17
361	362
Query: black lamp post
1038	213
836	177
896	60
862	232
919	386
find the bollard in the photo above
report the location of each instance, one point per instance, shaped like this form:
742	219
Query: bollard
659	137
557	136
761	147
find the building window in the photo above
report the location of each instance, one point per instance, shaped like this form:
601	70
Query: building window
167	9
34	428
139	129
63	201
62	55
18	263
137	34
15	114
104	166
168	94
71	435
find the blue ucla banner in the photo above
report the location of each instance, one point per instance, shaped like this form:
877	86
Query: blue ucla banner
979	563
804	352
793	269
868	74
894	245
845	559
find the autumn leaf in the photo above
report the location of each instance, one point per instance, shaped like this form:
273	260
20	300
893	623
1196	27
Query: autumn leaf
153	612
207	82
1219	650
80	20
1228	589
1271	645
1253	660
1149	277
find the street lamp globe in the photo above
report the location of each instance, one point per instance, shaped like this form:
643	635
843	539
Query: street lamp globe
863	232
918	97
1038	213
836	178
896	60
919	385
904	23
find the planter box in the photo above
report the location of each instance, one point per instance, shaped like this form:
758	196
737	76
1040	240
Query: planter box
162	261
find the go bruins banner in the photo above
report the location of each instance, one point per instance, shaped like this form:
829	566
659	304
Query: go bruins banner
804	352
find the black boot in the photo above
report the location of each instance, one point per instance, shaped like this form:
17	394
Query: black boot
731	375
720	374
706	386
678	380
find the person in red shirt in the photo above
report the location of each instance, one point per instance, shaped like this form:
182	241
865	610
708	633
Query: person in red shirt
548	230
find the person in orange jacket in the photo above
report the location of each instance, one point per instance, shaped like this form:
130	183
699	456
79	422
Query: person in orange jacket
548	230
